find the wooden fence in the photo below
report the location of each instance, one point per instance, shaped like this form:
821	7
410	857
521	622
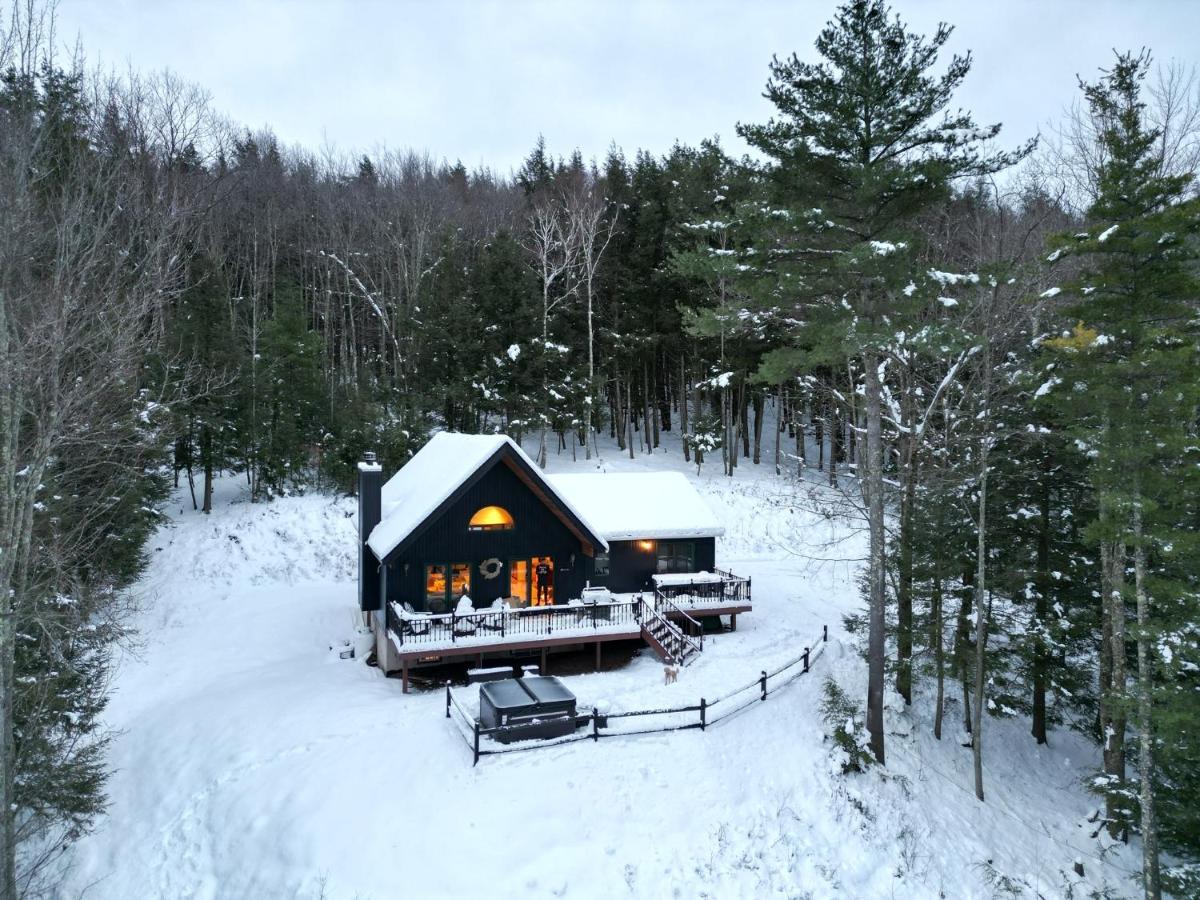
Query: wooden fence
594	725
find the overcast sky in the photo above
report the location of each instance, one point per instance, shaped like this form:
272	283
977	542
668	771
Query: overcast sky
477	80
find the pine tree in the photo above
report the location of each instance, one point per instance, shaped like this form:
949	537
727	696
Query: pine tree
862	144
1127	377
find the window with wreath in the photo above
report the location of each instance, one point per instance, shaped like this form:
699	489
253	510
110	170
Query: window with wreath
491	518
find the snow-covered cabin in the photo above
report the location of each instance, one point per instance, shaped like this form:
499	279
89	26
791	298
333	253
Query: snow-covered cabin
473	516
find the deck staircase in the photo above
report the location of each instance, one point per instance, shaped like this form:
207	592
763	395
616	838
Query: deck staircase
667	639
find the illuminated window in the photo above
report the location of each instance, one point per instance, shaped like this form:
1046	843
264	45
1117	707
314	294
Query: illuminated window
444	585
518	581
435	588
460	580
491	518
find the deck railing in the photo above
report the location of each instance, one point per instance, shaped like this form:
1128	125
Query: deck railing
534	621
731	590
677	645
690	626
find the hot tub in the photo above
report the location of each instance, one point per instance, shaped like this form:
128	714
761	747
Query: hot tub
526	709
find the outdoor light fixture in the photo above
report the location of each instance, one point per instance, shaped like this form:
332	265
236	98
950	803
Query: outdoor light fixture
646	545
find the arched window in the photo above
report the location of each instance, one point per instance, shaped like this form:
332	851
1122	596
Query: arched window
491	518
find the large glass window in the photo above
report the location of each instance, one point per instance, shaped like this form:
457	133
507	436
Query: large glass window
460	581
601	567
491	518
435	588
518	581
676	556
445	584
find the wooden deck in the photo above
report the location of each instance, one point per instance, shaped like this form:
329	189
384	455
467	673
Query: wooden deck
419	640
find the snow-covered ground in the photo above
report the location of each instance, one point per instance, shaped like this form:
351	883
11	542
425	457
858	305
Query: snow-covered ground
252	762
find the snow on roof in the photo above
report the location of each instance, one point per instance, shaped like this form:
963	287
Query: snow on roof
626	506
437	470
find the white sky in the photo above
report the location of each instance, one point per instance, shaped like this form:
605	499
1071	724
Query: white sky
478	81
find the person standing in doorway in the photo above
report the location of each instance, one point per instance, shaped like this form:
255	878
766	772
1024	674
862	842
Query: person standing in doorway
543	574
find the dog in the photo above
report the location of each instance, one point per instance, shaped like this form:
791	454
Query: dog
670	673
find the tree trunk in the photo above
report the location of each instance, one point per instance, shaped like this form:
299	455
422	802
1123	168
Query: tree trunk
937	638
759	402
744	417
798	419
629	415
206	438
1145	685
1041	660
904	581
683	409
779	430
872	484
961	642
980	620
819	437
835	439
646	416
1113	680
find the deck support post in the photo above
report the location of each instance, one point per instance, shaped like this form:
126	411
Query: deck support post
733	622
404	676
542	670
597	656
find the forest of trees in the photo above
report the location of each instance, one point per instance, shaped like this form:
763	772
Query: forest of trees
994	349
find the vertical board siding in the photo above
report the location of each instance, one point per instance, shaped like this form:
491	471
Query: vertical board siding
537	531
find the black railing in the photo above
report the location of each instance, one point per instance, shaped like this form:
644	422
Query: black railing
689	625
751	693
678	645
419	630
731	590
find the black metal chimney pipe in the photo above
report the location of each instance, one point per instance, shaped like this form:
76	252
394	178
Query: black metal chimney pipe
370	484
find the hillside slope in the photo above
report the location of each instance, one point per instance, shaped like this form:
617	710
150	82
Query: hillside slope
252	762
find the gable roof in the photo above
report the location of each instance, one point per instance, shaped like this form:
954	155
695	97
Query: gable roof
628	506
442	469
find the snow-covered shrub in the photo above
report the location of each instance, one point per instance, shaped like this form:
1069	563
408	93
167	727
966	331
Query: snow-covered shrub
845	728
704	439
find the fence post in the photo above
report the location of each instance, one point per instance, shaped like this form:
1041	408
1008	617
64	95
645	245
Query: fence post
805	660
454	629
447	698
824	633
763	682
595	724
476	762
593	614
703	709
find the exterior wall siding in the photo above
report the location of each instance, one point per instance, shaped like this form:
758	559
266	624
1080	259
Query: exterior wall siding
537	532
631	565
